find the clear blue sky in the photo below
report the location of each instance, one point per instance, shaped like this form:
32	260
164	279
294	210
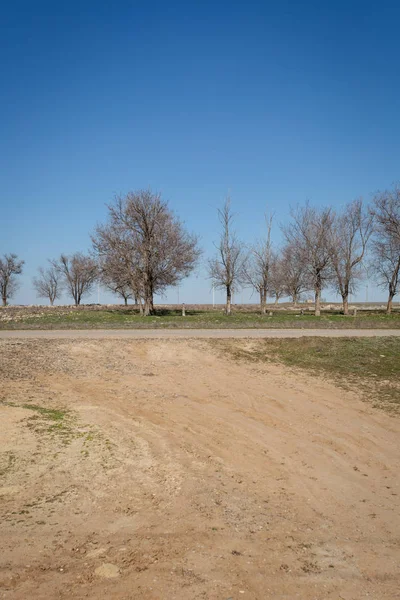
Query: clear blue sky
276	102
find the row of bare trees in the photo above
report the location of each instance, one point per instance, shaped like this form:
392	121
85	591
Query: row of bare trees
144	248
323	248
76	274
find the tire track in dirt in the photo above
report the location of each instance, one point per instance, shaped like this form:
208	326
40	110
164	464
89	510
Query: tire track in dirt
195	477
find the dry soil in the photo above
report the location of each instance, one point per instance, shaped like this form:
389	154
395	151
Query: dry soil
159	469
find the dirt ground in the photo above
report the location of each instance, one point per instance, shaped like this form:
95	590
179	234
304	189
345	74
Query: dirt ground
160	469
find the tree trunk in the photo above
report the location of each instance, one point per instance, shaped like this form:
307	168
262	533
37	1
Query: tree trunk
276	300
126	301
148	304
228	300
139	301
263	301
389	303
4	300
294	298
345	299
76	297
317	302
147	307
51	302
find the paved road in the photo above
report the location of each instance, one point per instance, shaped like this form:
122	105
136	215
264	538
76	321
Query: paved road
192	333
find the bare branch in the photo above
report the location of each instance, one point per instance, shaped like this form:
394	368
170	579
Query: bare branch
350	233
79	272
258	266
386	243
48	284
277	287
227	268
294	272
310	233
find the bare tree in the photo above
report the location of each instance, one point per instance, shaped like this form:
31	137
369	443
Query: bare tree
122	290
10	266
257	268
48	284
227	268
310	233
386	245
277	279
293	272
114	276
350	233
148	245
119	259
120	286
79	273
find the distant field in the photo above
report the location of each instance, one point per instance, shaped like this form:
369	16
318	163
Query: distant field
244	317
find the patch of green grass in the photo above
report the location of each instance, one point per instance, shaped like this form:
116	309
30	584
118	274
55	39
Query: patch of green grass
129	318
366	357
53	421
47	413
59	424
370	365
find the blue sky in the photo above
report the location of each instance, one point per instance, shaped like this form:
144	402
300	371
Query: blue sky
274	102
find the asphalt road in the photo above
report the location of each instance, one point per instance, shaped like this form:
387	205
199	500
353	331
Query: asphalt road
192	333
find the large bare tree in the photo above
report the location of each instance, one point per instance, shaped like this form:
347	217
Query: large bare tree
79	272
310	234
147	244
48	283
386	244
227	268
10	266
258	266
351	231
293	272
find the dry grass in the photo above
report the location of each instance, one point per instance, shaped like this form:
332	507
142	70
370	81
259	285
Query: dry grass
372	365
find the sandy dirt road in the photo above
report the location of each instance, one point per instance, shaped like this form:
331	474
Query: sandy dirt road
192	333
137	469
